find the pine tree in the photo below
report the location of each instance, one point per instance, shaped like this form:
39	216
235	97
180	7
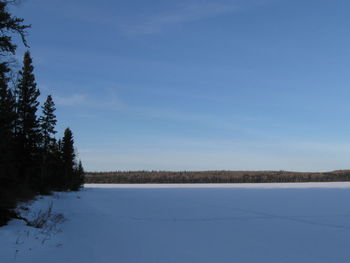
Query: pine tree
28	129
80	168
68	157
78	177
56	166
47	128
9	25
48	122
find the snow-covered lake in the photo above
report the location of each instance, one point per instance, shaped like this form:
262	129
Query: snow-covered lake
199	223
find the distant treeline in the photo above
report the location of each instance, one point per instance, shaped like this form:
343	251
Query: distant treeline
32	160
167	177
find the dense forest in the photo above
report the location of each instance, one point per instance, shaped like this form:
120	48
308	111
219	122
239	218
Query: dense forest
32	160
150	177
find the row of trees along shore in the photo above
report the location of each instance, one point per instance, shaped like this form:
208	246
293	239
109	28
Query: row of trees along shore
168	177
32	160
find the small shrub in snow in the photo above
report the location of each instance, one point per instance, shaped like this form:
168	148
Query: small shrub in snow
47	221
41	218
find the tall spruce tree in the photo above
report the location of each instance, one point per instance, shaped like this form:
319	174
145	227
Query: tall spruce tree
55	166
68	157
48	122
28	128
78	177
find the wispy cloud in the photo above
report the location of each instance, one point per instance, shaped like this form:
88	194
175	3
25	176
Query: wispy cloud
130	22
185	13
72	100
86	101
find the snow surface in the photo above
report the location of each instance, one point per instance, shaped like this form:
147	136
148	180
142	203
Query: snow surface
189	223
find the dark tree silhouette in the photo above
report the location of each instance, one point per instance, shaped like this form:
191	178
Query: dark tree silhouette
68	157
48	122
9	26
78	177
28	129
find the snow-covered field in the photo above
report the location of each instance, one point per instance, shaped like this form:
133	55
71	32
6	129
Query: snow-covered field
189	223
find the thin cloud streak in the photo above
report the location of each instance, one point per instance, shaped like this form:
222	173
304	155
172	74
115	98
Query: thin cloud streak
84	101
186	13
180	12
72	100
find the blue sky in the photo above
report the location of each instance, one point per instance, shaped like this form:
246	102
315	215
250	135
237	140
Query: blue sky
197	85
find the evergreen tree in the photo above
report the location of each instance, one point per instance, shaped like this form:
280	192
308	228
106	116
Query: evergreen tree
68	157
28	129
8	26
78	177
80	168
54	165
48	122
